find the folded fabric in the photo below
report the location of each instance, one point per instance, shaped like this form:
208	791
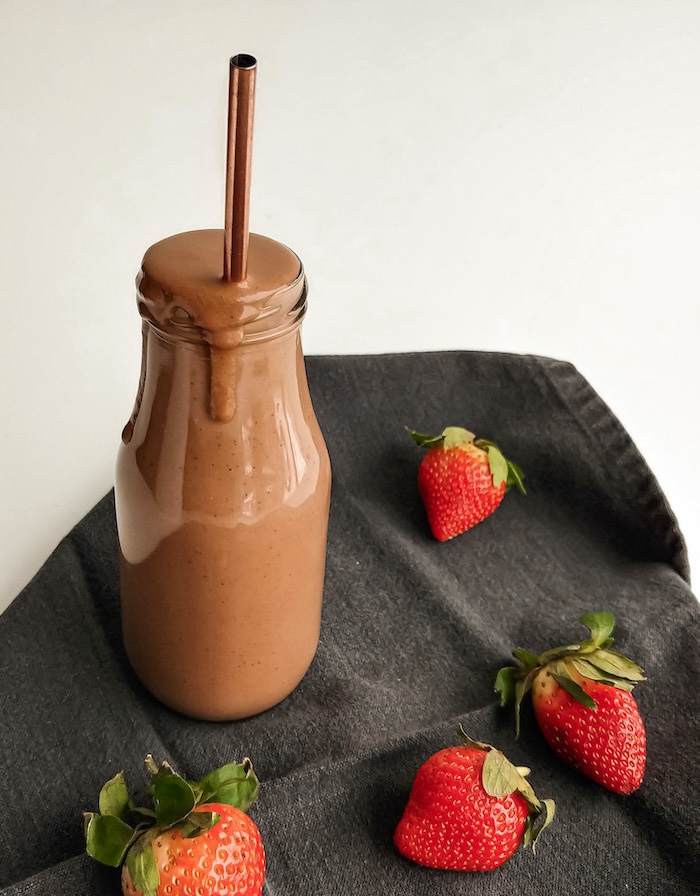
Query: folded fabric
413	633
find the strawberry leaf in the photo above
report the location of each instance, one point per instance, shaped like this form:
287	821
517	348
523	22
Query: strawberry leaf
504	685
141	864
235	784
616	664
477	744
522	686
107	838
588	670
197	823
537	822
502	470
601	626
135	806
454	436
574	690
497	464
515	477
499	776
424	440
239	794
557	653
114	798
529	660
173	798
152	766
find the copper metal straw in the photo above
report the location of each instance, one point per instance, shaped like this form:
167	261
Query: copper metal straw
239	144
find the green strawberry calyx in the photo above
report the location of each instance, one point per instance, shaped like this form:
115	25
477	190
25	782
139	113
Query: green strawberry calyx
123	829
502	470
500	778
592	659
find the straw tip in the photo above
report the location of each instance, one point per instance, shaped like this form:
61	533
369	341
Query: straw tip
243	60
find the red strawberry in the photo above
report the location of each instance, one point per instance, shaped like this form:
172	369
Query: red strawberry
228	859
462	480
192	837
581	695
469	810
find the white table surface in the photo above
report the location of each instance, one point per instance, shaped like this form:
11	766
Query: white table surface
508	176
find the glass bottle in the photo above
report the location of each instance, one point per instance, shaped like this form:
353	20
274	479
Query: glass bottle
223	483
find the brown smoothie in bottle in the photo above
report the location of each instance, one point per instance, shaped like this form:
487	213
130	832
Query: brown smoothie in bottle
223	483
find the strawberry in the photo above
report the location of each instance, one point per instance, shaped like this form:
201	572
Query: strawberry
583	704
191	837
462	480
469	810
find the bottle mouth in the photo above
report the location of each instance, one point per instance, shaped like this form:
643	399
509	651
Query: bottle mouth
181	292
283	311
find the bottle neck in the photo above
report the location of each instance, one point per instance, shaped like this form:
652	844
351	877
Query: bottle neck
280	312
186	302
219	377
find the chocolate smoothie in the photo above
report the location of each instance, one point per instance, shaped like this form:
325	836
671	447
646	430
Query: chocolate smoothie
223	483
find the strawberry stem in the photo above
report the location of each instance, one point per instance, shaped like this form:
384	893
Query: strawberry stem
502	470
123	830
500	778
591	659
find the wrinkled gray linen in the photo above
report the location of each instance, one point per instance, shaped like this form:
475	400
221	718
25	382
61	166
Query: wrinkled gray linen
413	634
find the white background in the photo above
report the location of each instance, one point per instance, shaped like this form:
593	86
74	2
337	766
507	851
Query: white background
518	176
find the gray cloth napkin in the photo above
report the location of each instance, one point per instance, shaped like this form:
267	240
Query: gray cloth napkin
413	634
